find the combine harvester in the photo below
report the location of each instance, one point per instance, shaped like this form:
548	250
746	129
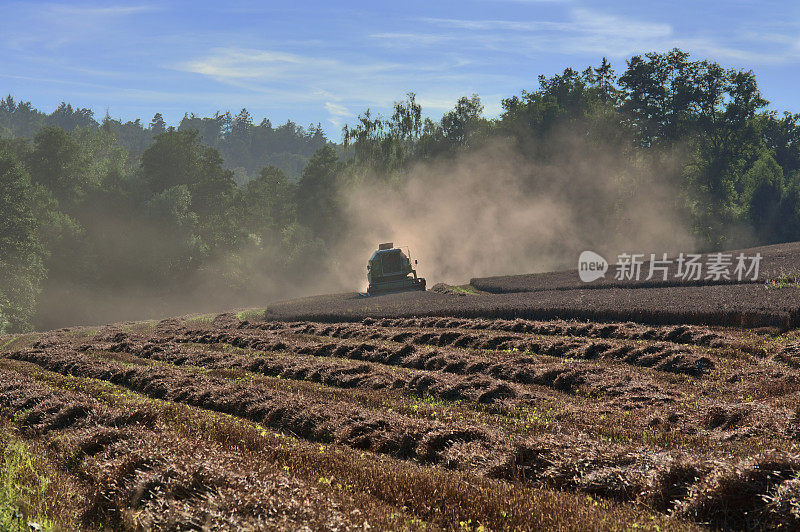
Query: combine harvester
389	270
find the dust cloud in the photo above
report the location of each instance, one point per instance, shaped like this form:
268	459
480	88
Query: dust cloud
493	212
489	211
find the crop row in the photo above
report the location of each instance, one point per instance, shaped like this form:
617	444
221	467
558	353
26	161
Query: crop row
133	472
660	356
186	482
750	305
316	419
751	491
561	461
548	460
678	334
304	358
598	380
330	371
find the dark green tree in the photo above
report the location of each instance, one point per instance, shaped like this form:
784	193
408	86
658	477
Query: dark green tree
21	254
178	158
268	202
157	125
69	119
173	159
178	250
61	164
213	199
605	80
317	203
464	121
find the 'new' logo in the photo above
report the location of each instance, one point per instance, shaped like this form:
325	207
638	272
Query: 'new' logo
591	266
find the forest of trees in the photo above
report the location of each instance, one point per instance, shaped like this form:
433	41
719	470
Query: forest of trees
245	147
119	208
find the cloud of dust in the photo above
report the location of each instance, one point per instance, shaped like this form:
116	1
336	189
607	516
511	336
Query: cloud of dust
494	212
490	211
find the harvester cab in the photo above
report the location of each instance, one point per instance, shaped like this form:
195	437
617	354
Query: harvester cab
390	270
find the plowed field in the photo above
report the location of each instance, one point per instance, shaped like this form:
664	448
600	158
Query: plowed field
240	422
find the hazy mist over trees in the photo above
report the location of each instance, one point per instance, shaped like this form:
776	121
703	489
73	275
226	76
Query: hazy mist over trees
219	205
246	147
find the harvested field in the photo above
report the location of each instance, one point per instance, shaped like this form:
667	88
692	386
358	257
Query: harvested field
407	423
740	305
773	300
778	261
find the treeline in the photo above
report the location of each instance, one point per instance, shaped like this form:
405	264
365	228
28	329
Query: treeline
155	213
81	217
245	147
733	164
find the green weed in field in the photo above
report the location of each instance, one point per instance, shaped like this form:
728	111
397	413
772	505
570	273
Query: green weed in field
465	289
782	282
251	314
23	487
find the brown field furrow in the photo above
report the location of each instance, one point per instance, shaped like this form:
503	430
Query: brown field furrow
743	399
717	448
138	474
586	378
657	355
746	359
381	432
330	421
725	420
789	354
695	422
664	480
464	448
360	484
677	334
609	388
332	372
745	380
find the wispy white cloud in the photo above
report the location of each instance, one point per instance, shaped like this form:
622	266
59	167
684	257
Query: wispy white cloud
741	55
53	25
97	11
600	24
497	25
412	38
337	113
333	82
52	80
579	21
337	109
241	63
335	85
585	31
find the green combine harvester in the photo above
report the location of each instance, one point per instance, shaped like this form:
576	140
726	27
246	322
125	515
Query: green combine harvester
389	270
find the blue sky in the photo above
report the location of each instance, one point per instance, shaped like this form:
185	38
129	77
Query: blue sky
326	62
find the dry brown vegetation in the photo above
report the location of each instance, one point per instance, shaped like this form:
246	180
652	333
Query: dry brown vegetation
778	261
740	305
409	423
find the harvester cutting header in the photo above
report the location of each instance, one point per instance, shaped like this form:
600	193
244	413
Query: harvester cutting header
390	270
